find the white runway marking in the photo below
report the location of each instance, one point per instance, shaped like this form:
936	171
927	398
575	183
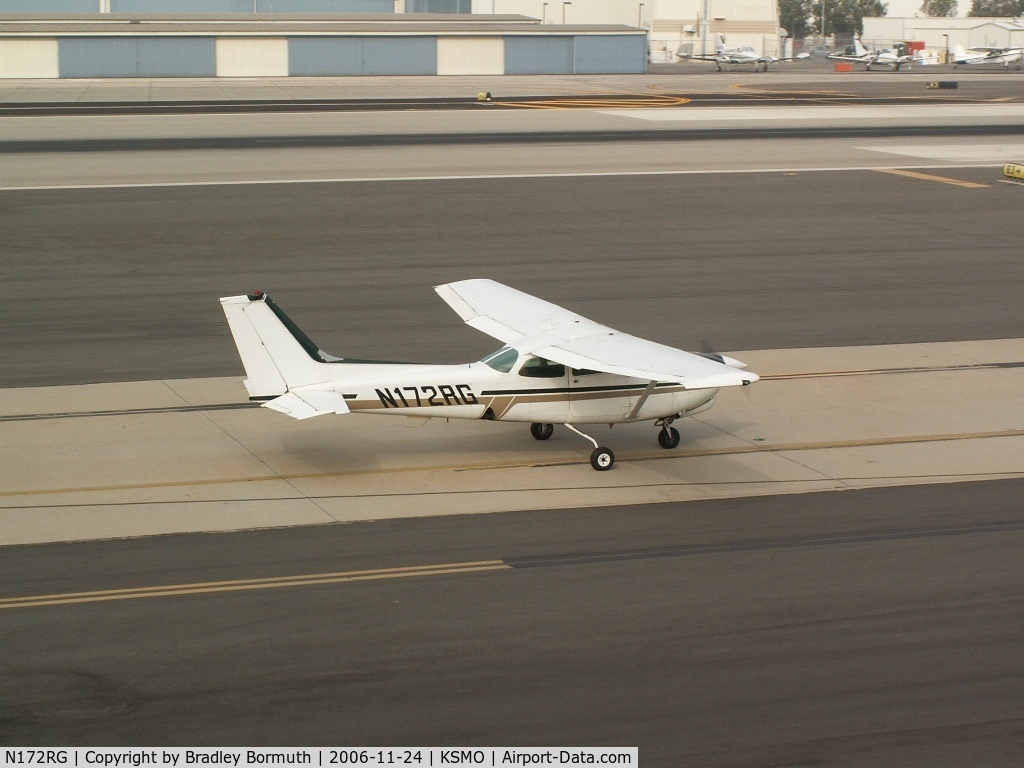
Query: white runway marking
981	153
483	176
842	112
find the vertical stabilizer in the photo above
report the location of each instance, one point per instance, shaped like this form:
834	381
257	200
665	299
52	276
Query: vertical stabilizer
277	356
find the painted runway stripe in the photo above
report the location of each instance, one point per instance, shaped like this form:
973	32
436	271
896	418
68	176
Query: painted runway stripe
930	177
491	176
506	564
129	411
890	371
237	585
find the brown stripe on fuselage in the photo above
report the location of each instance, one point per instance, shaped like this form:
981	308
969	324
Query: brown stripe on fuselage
501	404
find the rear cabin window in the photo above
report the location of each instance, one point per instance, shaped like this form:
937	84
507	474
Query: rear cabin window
539	368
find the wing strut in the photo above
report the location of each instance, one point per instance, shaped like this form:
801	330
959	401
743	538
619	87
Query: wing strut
640	403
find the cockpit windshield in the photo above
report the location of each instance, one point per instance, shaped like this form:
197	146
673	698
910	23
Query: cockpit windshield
502	360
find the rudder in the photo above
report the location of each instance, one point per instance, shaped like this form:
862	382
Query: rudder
276	354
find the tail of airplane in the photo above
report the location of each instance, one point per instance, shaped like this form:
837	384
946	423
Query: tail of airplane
858	47
277	355
958	52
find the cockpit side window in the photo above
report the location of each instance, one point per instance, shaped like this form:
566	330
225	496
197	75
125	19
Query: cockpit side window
539	368
502	360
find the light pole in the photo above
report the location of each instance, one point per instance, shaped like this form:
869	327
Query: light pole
946	59
823	20
544	14
567	2
640	16
705	12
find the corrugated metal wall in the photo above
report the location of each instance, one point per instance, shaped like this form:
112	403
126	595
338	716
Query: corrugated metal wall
49	6
231	6
181	6
325	6
470	56
322	56
605	54
28	58
206	55
252	57
137	57
439	6
547	55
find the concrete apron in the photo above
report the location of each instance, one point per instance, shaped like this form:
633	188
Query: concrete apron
143	458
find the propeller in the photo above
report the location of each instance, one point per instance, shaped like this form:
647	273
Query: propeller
707	349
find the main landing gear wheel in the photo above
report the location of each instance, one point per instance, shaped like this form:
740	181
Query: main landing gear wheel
542	431
668	437
602	459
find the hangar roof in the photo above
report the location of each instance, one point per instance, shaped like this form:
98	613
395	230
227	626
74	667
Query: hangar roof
305	24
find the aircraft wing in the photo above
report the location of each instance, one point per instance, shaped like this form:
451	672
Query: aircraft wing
774	59
537	327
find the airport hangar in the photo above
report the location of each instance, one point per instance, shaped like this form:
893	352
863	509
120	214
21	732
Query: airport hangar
96	46
65	38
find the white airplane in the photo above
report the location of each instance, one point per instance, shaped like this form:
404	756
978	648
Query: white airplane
885	56
984	55
556	367
744	54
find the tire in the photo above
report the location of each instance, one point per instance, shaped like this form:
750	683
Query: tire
668	438
542	431
602	459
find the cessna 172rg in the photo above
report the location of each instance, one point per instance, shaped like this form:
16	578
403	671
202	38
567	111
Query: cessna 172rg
556	367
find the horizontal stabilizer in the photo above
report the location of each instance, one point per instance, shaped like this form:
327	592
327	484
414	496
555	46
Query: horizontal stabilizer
306	405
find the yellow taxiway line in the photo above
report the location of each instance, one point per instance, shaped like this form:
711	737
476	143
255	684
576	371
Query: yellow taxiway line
929	177
627	101
237	585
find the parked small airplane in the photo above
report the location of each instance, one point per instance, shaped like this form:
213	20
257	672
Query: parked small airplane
556	367
885	56
984	55
744	54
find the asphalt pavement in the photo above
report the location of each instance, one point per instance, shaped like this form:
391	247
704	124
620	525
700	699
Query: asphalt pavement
122	284
857	628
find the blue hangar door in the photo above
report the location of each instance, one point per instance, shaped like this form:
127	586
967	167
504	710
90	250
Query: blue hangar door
137	57
538	55
329	56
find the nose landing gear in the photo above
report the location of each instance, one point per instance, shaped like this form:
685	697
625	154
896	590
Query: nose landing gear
668	437
541	431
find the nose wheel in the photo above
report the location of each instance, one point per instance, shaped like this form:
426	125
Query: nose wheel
668	437
542	431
